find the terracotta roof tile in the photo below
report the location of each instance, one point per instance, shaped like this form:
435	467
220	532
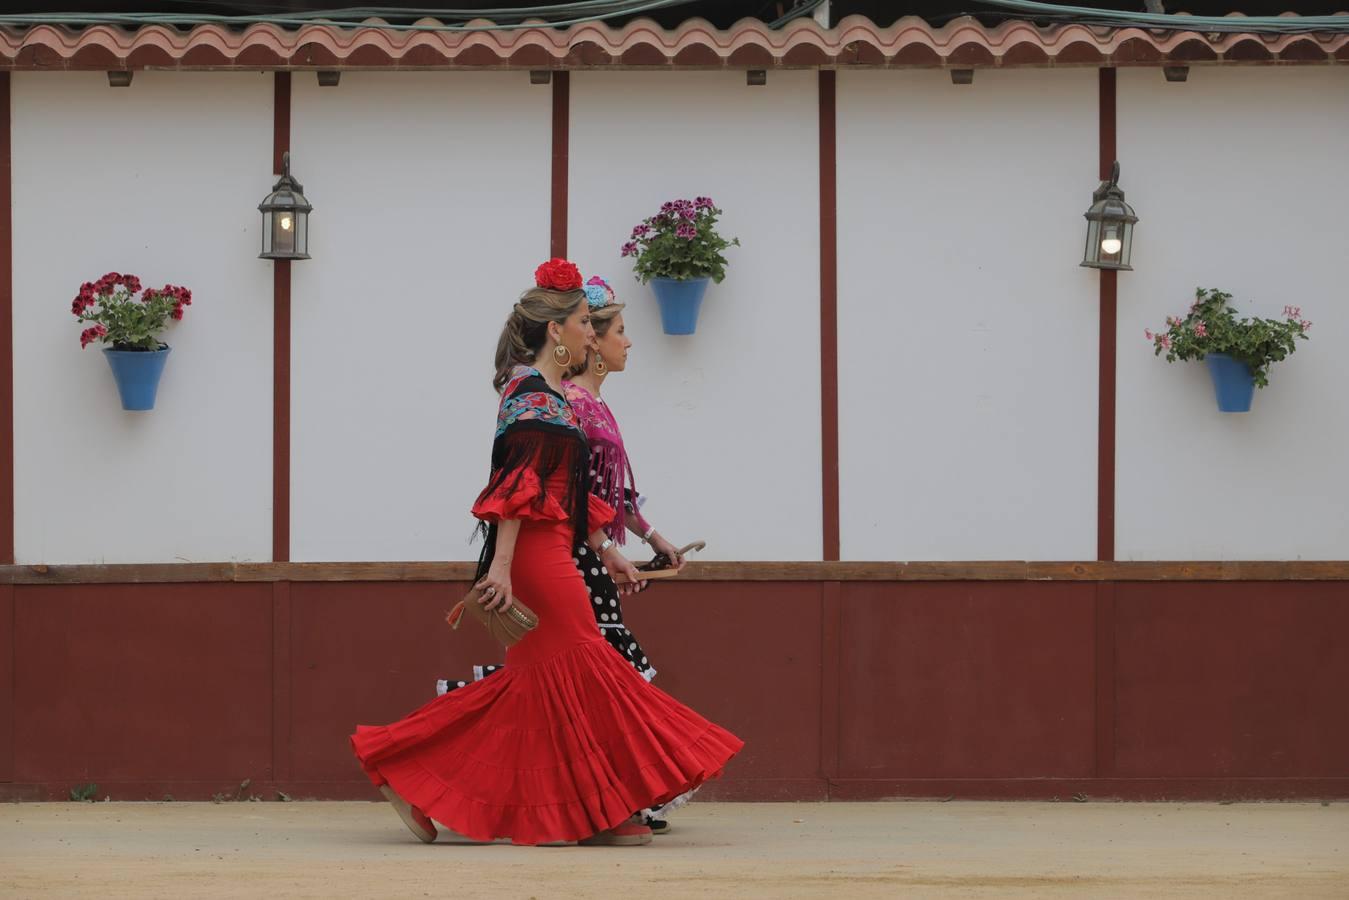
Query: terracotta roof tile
855	41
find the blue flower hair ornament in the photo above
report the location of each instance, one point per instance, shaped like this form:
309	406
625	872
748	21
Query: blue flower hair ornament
598	293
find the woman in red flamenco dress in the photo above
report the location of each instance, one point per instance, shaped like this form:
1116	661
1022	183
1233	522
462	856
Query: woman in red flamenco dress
566	741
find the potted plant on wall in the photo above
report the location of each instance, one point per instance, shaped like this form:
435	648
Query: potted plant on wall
1238	352
678	250
131	328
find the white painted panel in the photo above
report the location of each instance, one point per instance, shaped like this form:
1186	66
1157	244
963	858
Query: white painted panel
1238	179
162	180
723	426
431	196
967	330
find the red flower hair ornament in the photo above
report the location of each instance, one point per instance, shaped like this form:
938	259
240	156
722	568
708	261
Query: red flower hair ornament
558	275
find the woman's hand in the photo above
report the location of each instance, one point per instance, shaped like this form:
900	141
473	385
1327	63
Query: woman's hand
661	545
496	587
618	564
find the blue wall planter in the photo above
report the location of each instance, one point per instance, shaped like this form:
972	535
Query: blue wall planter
1233	382
679	302
137	375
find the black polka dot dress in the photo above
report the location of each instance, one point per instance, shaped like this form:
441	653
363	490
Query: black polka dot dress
608	611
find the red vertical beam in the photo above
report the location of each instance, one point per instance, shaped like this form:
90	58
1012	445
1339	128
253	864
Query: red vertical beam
1105	429
561	153
831	592
1105	462
6	331
829	312
281	347
281	657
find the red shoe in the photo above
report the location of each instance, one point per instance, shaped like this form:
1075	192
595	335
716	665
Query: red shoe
629	834
412	817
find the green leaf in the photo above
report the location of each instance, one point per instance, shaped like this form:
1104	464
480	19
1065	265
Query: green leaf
1255	341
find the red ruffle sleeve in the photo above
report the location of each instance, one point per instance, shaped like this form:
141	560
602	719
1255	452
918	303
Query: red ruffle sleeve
598	513
527	500
521	501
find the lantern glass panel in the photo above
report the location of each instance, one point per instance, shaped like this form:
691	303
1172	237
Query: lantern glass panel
1093	251
1112	242
1128	239
283	231
301	230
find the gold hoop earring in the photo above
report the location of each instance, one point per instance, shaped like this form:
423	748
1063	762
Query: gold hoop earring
562	356
600	367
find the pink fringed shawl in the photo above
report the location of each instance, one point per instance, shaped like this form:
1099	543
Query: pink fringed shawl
611	477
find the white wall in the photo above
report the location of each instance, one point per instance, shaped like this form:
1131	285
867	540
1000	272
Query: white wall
431	209
967	331
1238	179
162	180
723	426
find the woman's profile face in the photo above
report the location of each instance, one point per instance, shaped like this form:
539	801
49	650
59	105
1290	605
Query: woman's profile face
576	333
613	347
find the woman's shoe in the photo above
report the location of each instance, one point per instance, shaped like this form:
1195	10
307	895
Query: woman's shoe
629	834
412	817
657	826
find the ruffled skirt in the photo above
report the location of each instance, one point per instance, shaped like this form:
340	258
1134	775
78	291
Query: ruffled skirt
564	742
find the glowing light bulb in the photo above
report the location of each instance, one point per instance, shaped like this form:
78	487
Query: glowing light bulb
285	224
1110	242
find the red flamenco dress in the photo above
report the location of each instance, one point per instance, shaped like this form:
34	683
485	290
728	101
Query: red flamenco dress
568	739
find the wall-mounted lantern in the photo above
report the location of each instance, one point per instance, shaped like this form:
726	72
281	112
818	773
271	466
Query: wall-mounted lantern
1110	227
285	218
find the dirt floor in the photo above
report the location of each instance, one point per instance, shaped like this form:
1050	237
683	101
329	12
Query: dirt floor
719	850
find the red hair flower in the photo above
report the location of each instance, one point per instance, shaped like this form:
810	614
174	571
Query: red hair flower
558	275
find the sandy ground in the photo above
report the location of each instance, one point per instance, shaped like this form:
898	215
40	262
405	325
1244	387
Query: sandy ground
718	850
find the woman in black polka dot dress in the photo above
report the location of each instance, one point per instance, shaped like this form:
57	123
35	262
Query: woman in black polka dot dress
611	477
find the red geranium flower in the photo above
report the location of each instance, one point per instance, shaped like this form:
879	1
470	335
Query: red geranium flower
122	311
89	335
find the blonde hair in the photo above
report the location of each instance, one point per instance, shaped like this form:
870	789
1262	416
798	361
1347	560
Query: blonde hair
603	317
526	328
